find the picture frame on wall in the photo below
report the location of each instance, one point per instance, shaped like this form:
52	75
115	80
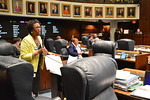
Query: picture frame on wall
43	8
98	11
17	6
120	12
109	12
66	10
131	11
55	9
87	11
4	5
30	7
77	10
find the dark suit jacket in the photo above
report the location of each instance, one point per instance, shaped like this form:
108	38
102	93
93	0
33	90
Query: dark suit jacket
43	11
30	11
1	7
77	13
131	13
120	14
72	50
55	12
87	13
98	13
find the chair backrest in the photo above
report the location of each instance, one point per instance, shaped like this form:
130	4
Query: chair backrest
126	44
6	49
49	44
84	40
61	48
107	48
89	78
16	76
60	45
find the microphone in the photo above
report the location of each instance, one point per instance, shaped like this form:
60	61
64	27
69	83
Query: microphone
43	38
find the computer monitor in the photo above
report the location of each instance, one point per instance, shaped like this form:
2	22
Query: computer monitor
147	78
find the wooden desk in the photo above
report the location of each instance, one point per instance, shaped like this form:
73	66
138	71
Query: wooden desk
122	95
45	81
140	62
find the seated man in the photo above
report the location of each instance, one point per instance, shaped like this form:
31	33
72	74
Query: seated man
17	42
74	49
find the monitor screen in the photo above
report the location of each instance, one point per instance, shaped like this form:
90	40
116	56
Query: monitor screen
123	56
147	78
11	27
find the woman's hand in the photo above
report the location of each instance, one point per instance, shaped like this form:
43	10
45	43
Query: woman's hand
44	51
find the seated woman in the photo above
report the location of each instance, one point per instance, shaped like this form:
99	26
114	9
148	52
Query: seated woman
74	49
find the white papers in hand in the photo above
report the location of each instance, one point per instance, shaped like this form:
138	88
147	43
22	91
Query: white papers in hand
53	63
71	58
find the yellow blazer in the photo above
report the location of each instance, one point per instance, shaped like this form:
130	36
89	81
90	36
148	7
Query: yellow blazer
28	47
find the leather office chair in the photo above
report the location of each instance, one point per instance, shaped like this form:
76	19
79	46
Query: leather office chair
61	48
84	40
16	77
107	48
49	44
89	78
126	44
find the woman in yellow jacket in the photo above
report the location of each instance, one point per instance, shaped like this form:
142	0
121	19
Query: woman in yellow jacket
32	51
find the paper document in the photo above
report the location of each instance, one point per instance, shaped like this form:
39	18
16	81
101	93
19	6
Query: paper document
143	91
122	75
53	63
71	58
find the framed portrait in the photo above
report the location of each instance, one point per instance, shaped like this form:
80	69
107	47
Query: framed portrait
4	5
98	11
55	9
17	6
131	12
77	10
87	11
109	12
66	9
30	7
42	8
120	12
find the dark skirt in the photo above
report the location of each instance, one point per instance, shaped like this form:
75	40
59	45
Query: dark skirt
36	82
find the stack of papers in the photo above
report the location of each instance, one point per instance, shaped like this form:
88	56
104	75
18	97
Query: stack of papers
124	80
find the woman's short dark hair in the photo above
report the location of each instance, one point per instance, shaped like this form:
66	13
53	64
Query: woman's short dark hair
30	24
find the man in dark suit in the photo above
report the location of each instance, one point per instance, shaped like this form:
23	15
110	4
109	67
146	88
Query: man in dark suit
30	8
3	5
87	12
77	11
131	12
74	49
55	10
98	12
120	13
43	9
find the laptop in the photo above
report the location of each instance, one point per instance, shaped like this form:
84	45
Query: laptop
147	78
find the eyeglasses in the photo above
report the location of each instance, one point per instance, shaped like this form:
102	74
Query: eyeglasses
36	27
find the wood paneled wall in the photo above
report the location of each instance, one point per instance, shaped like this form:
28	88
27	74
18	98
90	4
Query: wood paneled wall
144	22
